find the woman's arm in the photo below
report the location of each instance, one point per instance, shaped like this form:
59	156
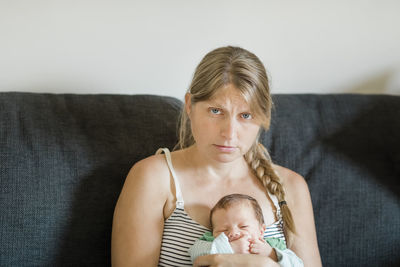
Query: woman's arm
222	260
138	216
304	243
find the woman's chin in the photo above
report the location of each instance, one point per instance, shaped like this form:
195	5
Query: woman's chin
227	157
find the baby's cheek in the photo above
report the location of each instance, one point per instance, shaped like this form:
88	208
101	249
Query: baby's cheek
215	235
255	237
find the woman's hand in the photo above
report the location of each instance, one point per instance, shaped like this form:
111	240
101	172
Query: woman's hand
225	260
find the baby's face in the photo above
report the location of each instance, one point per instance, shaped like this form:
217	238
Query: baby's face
236	221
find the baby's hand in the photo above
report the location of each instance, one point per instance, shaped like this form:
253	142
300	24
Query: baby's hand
241	245
260	246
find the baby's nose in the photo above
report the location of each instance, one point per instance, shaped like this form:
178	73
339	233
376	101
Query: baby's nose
233	234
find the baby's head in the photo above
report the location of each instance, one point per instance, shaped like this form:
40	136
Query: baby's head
237	215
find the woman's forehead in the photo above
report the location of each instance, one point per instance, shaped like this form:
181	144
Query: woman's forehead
229	96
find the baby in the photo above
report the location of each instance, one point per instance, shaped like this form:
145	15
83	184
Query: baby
238	227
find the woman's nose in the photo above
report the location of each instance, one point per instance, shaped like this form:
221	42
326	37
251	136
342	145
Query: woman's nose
228	129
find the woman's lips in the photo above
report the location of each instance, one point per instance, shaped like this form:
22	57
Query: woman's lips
227	149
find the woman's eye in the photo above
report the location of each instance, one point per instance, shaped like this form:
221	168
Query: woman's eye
246	116
215	111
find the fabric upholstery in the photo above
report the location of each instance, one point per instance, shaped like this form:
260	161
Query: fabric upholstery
63	161
64	158
347	147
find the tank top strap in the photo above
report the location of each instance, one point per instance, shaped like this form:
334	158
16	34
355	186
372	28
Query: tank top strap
276	204
179	198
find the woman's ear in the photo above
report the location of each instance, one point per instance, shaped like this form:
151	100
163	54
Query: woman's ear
188	103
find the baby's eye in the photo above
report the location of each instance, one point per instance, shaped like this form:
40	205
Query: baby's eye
244	226
215	110
246	116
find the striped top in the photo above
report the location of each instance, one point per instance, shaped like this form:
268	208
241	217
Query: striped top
181	231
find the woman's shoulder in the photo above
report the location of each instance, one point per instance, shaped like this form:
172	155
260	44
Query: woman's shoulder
294	184
154	165
288	176
152	170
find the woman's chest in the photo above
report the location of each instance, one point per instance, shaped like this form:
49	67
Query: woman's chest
200	198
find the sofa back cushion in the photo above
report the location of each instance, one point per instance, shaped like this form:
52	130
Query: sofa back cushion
64	159
347	147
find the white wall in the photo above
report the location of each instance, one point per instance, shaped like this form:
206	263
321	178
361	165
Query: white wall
152	47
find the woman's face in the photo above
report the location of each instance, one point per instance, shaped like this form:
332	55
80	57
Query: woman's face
223	127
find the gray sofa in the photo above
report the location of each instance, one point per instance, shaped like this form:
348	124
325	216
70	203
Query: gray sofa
64	158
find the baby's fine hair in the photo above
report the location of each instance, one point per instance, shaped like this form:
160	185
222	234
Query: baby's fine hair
234	199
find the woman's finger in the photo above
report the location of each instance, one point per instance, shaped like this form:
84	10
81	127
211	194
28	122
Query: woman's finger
206	260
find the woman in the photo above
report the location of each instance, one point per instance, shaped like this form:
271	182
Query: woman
165	203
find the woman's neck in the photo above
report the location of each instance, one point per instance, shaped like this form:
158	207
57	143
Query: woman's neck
211	168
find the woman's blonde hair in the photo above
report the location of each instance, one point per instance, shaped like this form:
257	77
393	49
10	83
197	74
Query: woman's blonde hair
243	70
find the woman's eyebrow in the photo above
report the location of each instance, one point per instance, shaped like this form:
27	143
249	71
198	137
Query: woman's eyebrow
216	104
